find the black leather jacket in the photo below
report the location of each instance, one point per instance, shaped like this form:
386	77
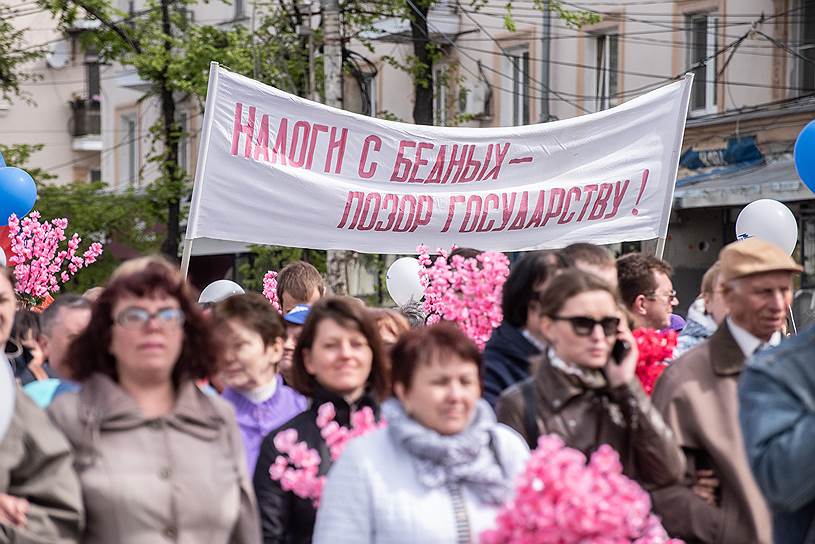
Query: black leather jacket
285	517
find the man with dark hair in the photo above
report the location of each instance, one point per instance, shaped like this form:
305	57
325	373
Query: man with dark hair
646	289
507	353
299	283
30	365
593	259
60	323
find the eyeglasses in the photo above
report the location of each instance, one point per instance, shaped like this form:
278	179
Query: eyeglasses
134	318
584	326
671	295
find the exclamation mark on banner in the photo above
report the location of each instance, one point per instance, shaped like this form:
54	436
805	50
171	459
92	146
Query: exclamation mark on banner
635	211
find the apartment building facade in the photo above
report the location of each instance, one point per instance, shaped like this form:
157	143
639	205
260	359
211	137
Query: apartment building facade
754	68
753	60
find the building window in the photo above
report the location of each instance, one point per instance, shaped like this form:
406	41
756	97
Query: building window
94	87
95	174
516	99
240	9
129	146
367	86
701	49
805	69
92	79
603	56
440	95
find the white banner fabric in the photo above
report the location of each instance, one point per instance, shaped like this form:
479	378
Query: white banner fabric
277	169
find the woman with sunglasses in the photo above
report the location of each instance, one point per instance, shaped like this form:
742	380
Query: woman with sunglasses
158	459
584	387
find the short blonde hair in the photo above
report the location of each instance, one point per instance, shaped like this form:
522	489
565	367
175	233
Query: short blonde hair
140	264
390	320
710	278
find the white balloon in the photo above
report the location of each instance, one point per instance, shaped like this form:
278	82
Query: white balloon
7	391
769	220
403	281
2	257
219	290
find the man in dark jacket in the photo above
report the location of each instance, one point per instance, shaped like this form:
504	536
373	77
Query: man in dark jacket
507	353
777	414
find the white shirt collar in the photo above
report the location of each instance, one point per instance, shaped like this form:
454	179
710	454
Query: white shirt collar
534	340
261	394
746	341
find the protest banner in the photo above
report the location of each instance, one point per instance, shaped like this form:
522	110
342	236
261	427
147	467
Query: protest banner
274	168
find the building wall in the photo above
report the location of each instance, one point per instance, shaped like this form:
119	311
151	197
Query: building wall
45	117
695	238
653	48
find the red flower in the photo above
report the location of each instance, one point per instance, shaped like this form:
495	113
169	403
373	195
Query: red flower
656	348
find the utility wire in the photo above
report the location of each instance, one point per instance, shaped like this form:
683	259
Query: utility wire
783	46
478	77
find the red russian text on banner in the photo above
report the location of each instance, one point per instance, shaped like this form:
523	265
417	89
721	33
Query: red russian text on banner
277	169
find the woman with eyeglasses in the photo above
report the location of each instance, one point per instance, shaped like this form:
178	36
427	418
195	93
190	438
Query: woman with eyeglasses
158	459
584	387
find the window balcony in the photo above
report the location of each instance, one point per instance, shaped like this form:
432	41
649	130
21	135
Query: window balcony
86	125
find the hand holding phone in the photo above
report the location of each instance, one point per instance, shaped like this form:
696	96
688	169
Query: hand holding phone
619	351
622	364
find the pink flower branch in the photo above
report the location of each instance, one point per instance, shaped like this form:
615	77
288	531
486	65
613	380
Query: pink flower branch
270	289
297	469
40	266
465	291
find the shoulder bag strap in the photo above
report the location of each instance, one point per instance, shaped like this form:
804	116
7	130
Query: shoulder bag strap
530	408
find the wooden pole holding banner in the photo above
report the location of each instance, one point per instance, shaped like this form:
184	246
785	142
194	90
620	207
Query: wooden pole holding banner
186	253
200	165
660	247
669	202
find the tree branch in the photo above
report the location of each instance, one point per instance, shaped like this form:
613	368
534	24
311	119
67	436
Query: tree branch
93	12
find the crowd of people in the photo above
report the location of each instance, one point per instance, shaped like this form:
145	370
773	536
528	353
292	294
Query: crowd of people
144	416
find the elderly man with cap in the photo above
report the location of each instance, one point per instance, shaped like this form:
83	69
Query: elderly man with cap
697	395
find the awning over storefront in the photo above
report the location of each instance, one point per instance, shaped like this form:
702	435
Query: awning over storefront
739	185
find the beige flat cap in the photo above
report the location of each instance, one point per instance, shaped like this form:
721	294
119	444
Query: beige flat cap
754	256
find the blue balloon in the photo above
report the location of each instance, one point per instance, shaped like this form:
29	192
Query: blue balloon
18	192
805	155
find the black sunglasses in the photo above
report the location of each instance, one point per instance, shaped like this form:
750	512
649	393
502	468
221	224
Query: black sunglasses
583	326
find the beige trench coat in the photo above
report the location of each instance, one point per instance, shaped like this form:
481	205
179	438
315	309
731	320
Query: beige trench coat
180	478
697	396
36	464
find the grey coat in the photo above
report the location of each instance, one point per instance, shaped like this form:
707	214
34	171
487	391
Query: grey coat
181	478
36	464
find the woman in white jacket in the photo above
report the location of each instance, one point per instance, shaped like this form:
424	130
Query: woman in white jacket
442	467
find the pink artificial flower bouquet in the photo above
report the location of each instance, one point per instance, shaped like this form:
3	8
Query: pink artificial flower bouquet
270	289
656	349
561	499
40	266
297	469
465	291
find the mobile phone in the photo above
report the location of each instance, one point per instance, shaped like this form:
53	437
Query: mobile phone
619	351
